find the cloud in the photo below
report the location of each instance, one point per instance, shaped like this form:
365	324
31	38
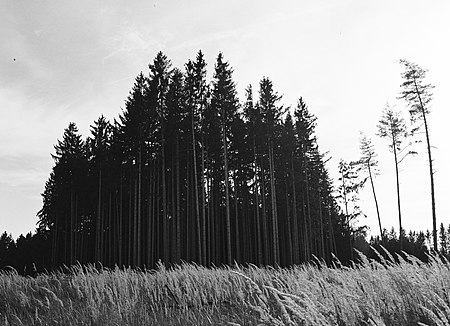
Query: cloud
19	172
128	39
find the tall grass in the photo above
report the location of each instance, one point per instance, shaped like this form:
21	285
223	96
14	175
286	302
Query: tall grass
368	293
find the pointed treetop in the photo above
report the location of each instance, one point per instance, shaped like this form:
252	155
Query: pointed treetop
70	146
271	112
305	121
224	88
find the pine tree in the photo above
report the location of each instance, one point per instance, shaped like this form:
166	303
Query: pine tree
369	163
392	127
418	96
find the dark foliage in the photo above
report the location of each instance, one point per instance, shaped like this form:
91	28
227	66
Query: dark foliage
187	173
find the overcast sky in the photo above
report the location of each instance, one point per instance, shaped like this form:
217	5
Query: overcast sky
63	61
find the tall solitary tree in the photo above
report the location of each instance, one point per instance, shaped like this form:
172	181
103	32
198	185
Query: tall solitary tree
418	95
368	163
392	127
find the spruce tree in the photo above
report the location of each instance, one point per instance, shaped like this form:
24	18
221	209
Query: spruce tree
225	103
271	119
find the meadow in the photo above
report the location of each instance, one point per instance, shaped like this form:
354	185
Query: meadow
408	292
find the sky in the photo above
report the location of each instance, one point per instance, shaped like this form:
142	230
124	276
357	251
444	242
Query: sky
64	61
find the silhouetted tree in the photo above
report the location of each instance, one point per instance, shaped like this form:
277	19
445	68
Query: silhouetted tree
418	95
186	173
369	163
392	127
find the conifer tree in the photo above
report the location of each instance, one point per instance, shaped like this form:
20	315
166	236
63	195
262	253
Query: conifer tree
159	80
418	96
98	149
176	115
70	172
185	174
392	127
305	124
136	130
252	116
224	101
350	185
369	163
271	119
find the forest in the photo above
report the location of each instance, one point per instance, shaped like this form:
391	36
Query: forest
188	173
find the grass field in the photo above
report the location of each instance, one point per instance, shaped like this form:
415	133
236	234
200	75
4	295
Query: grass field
369	293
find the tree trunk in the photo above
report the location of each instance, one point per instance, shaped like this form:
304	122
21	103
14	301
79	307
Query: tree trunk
178	212
308	210
139	208
164	195
196	200
258	221
398	192
227	191
121	247
130	221
346	215
55	252
203	203
296	244
322	244
98	220
430	164
72	227
288	225
264	215
110	234
276	249
236	218
376	202
135	226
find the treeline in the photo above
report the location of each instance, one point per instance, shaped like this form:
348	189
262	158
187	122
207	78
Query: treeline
188	173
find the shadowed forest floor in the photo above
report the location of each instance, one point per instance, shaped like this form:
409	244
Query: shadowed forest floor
368	293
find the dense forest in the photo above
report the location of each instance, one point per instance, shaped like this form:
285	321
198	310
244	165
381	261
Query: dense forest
189	173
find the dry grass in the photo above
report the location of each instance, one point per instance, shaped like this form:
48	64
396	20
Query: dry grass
369	293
